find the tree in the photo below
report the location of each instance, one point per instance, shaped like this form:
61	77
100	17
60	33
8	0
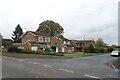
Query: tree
91	48
17	33
49	28
99	44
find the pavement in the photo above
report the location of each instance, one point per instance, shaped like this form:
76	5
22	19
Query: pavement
93	67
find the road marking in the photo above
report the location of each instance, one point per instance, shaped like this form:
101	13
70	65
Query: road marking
66	70
35	63
92	76
47	66
21	60
116	70
113	66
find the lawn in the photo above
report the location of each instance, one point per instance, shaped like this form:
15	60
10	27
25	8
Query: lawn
76	54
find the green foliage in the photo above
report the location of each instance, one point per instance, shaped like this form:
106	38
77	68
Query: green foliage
53	48
41	52
49	28
100	43
16	34
14	49
101	50
32	52
91	48
110	49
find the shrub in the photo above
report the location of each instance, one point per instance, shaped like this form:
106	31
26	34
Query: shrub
14	49
32	52
53	48
101	50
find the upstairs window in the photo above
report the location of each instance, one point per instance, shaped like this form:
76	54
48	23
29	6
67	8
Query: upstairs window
47	39
64	42
40	39
68	42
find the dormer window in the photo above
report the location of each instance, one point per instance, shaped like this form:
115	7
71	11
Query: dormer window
40	39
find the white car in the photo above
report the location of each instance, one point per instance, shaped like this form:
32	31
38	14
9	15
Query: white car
115	53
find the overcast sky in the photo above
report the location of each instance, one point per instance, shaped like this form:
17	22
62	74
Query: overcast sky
93	18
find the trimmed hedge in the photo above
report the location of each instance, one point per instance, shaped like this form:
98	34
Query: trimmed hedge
41	52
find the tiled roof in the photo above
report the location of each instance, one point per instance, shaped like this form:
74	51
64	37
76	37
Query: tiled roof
38	34
63	38
83	40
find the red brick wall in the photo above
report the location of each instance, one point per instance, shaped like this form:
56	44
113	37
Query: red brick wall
56	41
29	36
27	47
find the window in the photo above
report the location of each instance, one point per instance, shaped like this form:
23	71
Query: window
44	39
28	39
47	39
40	39
34	48
64	42
68	42
77	44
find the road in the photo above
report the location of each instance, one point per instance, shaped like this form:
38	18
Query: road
96	66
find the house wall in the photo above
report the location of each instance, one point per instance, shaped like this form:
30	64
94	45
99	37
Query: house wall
56	41
29	37
27	47
80	45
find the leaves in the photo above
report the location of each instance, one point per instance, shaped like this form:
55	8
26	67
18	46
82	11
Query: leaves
16	34
49	28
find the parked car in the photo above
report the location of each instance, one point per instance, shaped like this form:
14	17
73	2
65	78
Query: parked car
115	53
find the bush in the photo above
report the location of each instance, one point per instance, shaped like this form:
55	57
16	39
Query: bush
32	52
101	50
14	49
53	48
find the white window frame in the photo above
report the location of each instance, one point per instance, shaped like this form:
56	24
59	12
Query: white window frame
64	42
47	39
68	42
40	39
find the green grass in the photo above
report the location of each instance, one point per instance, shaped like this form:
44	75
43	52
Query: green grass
76	54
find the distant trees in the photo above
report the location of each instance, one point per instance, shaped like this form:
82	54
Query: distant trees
99	44
49	28
17	33
91	48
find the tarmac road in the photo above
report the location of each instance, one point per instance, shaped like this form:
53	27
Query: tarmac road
94	67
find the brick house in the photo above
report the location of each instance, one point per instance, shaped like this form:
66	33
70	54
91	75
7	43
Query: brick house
33	41
68	43
81	44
